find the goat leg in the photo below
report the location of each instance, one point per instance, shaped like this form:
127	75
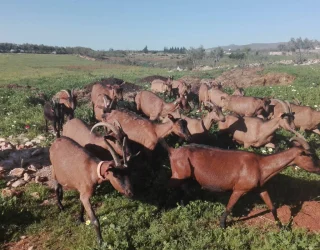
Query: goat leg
266	198
81	215
85	199
59	194
46	125
235	196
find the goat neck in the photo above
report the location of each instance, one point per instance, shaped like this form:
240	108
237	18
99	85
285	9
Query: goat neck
207	121
163	129
273	164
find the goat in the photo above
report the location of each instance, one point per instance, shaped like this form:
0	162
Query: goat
200	127
215	95
102	105
75	168
79	131
180	88
253	131
159	86
156	108
246	105
63	103
145	132
114	92
240	171
306	118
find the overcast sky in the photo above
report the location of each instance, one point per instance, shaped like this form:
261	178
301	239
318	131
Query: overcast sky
132	24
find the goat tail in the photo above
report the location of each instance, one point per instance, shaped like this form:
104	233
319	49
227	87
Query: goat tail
165	146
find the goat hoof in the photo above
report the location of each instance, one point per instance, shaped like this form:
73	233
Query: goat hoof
80	220
223	225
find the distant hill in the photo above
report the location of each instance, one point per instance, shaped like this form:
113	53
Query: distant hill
253	46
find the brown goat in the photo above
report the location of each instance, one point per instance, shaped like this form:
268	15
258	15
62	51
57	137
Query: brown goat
180	88
156	108
246	105
222	170
63	103
79	131
203	95
75	168
112	91
103	105
306	118
253	131
159	86
238	92
198	128
145	132
215	96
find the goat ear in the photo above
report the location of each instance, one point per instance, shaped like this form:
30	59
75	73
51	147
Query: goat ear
282	115
222	98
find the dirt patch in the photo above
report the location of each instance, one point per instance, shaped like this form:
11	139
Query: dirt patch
129	89
253	77
307	217
195	83
27	243
154	77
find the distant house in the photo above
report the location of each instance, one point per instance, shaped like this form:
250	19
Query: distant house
275	53
12	51
54	52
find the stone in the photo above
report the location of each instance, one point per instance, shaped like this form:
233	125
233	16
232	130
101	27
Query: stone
28	144
30	248
41	137
18	172
2	140
18	183
40	179
6	192
26	177
35	195
32	168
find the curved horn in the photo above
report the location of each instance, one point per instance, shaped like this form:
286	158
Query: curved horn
113	153
299	138
105	124
116	122
66	92
124	146
105	101
72	92
289	106
284	105
210	104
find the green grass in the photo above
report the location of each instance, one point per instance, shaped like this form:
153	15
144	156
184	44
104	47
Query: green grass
154	219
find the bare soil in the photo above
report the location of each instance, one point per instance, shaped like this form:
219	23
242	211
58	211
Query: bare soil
154	77
308	216
253	77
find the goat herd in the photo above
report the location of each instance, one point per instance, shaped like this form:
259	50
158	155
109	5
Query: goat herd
81	159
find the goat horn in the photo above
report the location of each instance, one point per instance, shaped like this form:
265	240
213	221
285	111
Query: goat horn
284	105
66	92
113	153
299	138
289	106
118	124
125	163
105	124
210	104
105	101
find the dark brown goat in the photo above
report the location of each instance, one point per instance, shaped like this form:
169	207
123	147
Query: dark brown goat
79	131
63	103
75	168
221	170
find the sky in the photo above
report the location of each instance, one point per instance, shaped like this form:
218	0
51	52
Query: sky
133	24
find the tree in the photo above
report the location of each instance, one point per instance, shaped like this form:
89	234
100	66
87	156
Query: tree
196	54
145	50
282	47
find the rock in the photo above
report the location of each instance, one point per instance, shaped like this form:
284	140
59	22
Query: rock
30	248
45	203
26	177
32	168
28	144
23	237
18	183
35	195
7	192
40	179
2	140
3	144
18	172
41	137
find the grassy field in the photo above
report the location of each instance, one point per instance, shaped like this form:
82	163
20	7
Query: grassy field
154	219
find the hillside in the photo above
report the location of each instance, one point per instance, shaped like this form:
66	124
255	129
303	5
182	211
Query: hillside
253	46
